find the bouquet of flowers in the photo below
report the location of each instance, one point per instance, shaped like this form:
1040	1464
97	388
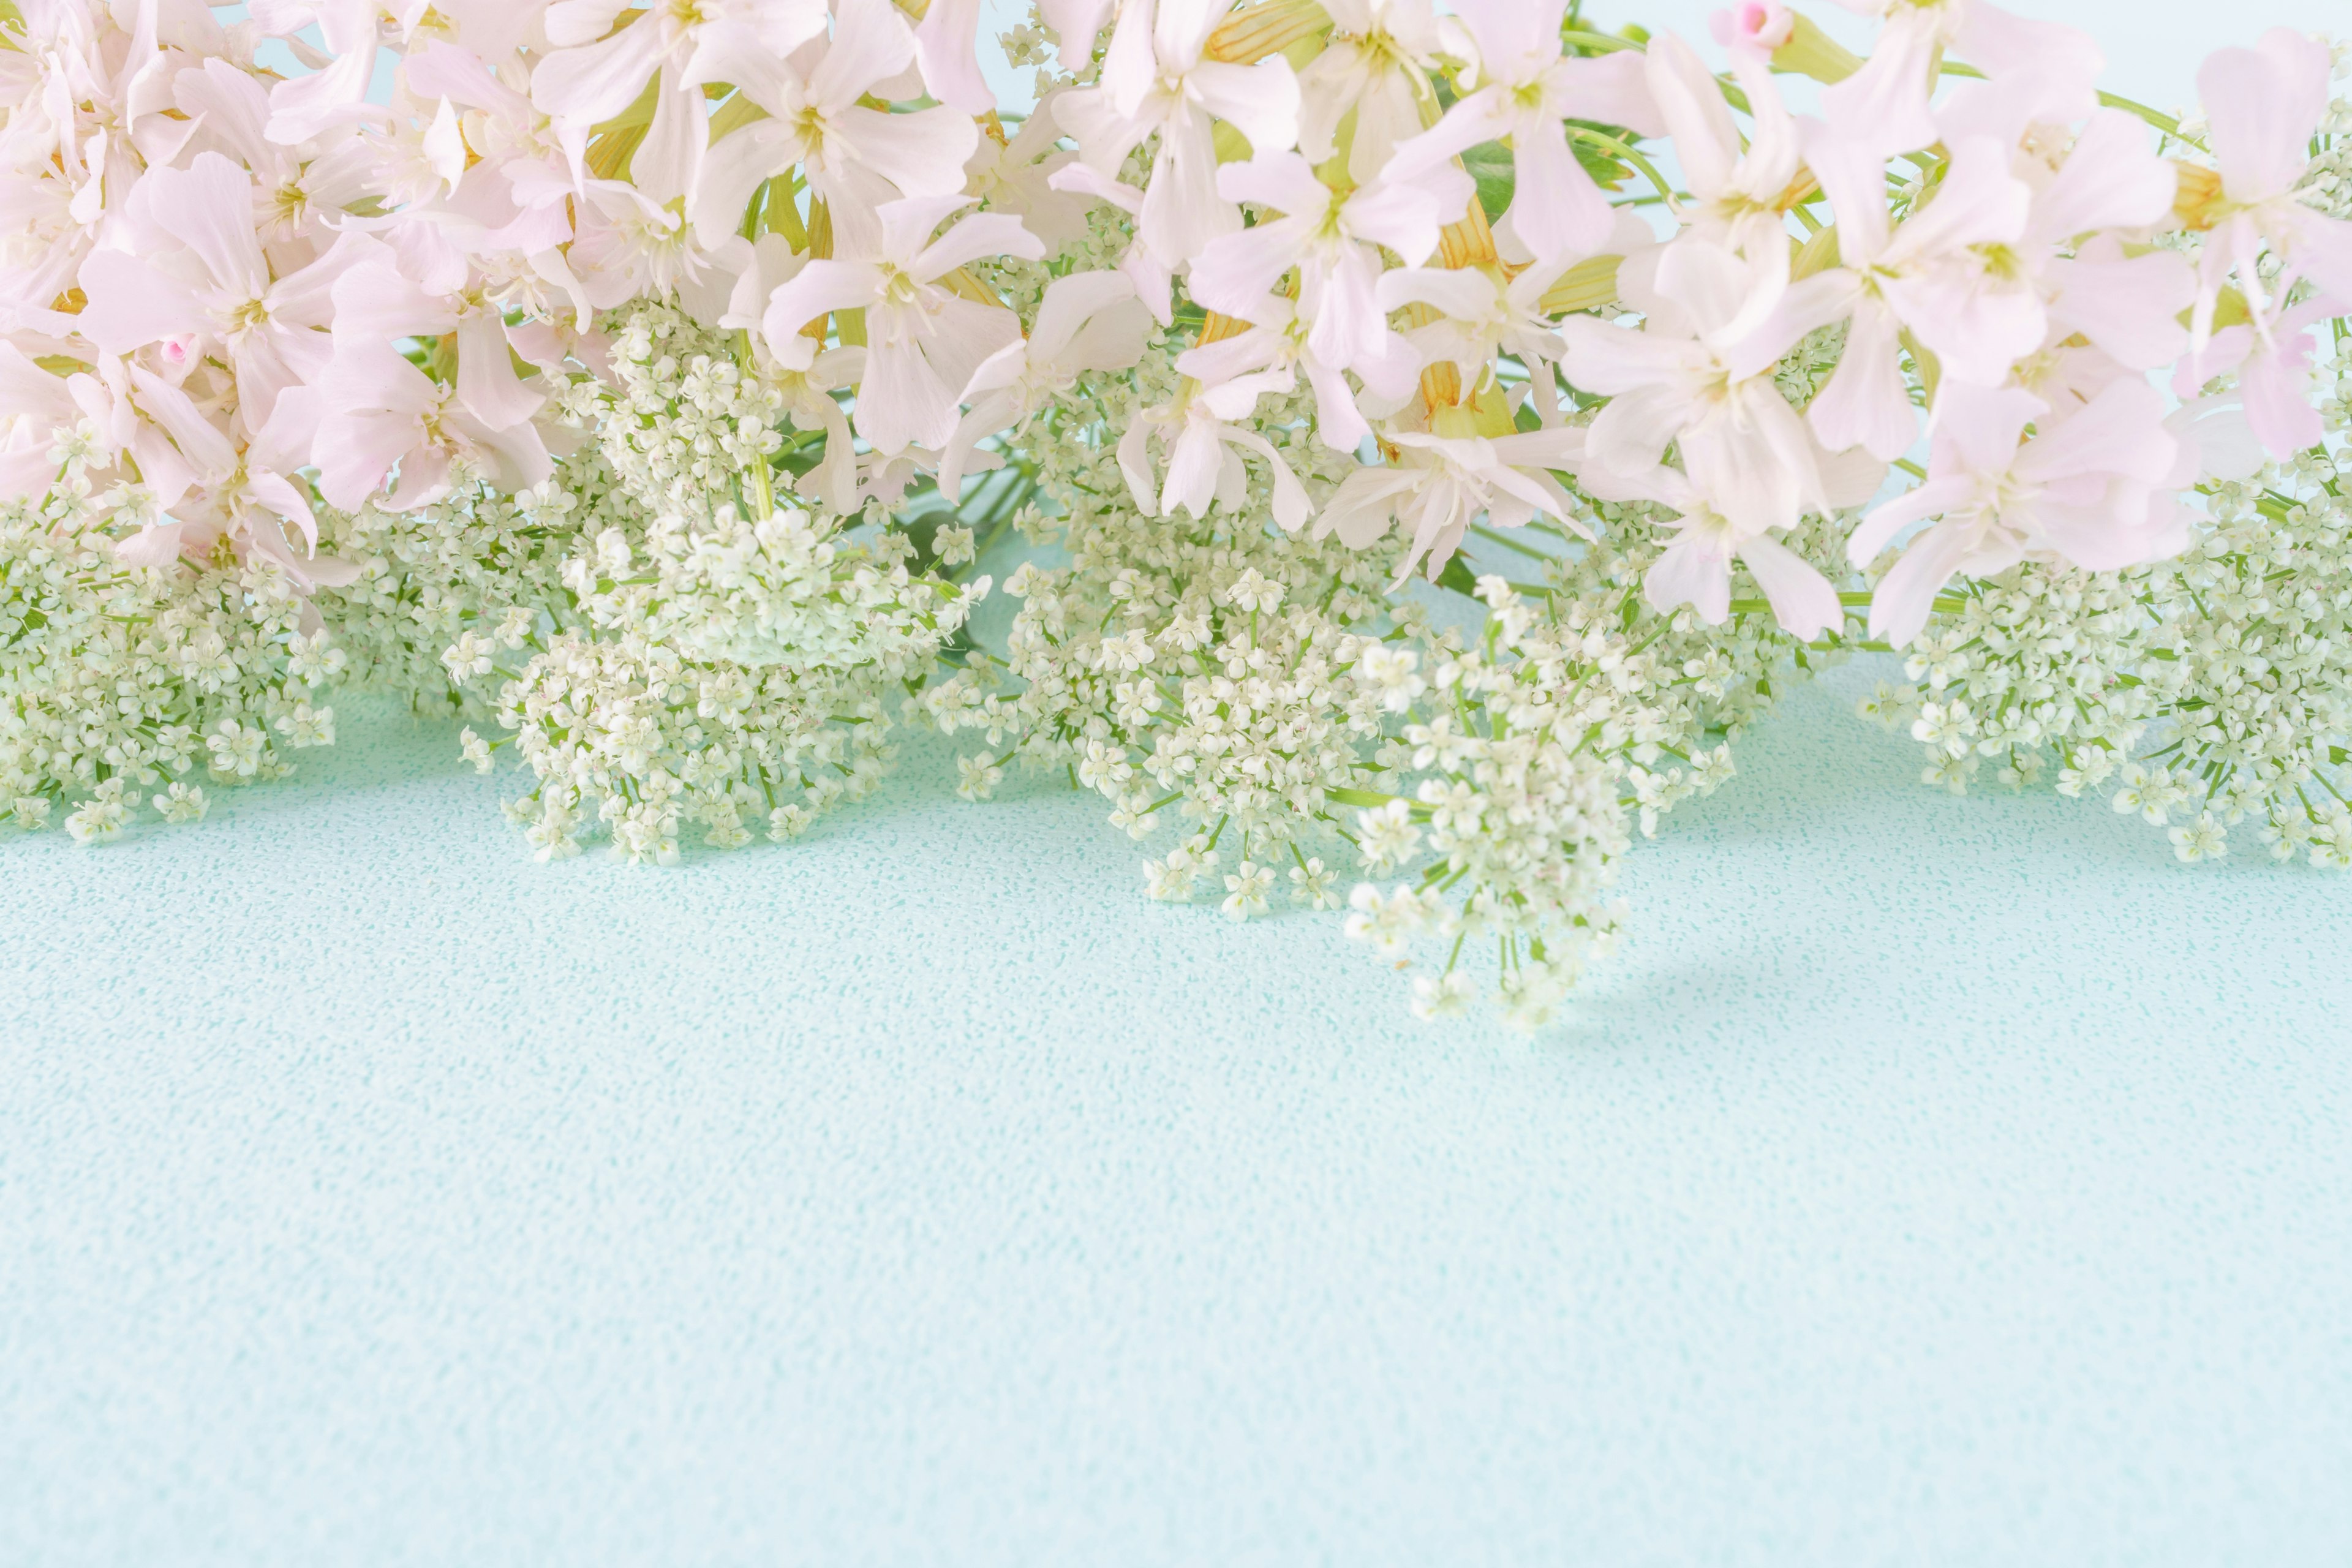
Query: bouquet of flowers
1419	441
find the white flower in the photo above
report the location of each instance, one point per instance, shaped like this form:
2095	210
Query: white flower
183	802
1315	885
2203	839
1388	923
1446	995
1245	891
1390	671
237	748
977	778
99	818
925	342
1387	835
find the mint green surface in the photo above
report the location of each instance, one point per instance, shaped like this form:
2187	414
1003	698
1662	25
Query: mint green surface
1928	1181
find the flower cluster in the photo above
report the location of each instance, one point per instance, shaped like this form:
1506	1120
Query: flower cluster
648	383
2208	692
125	685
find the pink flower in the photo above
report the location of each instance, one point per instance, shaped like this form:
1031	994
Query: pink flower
1367	69
1016	176
946	47
2090	488
2263	104
1882	107
1156	78
1277	341
198	274
2274	364
1332	241
1753	29
1204	446
1481	312
856	158
2108	183
1736	182
302	107
1695	569
371	417
207	487
1440	484
924	341
1530	89
597	69
1686	379
1087	321
1077	23
379	420
1939	273
34	407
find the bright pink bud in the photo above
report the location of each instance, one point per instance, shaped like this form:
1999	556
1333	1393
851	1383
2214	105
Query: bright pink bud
1758	25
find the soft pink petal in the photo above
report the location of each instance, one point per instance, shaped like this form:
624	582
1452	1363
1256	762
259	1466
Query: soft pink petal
1803	601
2262	104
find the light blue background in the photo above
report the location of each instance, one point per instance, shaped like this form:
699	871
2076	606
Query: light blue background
1929	1181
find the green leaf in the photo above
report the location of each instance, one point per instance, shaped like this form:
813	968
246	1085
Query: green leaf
1492	171
1457	577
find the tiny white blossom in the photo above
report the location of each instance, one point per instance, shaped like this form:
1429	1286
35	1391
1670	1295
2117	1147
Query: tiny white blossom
1245	891
183	802
1315	885
1442	996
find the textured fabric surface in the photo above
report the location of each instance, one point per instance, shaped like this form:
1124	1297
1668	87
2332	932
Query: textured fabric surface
1929	1180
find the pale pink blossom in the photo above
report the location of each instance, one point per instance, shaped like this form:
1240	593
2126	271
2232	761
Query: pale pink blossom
296	188
1441	484
1942	273
1154	278
1695	569
372	419
1689	378
84	103
1015	176
1884	107
2107	183
1205	443
211	487
198	276
1277	341
597	68
1481	312
1087	321
1332	241
1736	182
856	158
627	244
2273	363
1753	29
1156	79
34	407
946	47
808	382
2262	105
1373	65
1078	23
381	424
924	341
1527	89
2090	489
302	106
